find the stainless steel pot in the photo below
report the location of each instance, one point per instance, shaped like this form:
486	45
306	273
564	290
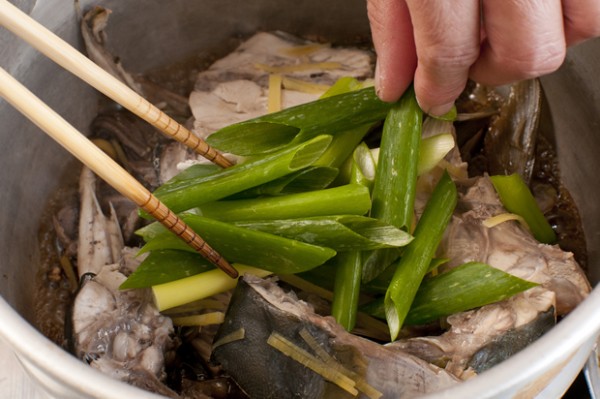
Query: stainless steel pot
151	33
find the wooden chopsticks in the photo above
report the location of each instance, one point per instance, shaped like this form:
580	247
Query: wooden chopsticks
72	60
82	148
103	165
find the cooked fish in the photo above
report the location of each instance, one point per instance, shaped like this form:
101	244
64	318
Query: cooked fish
481	338
235	88
118	332
261	308
264	52
510	247
93	25
511	137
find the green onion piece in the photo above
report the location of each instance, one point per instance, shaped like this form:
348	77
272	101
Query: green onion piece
181	194
346	289
395	181
194	172
351	199
395	184
417	255
342	146
449	116
433	150
517	198
341	233
308	179
274	131
237	244
380	284
463	288
166	265
349	265
322	276
343	85
200	286
363	166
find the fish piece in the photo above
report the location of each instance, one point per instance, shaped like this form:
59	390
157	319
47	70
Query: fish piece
93	25
261	308
235	88
481	338
133	141
511	138
118	332
221	107
100	241
510	247
282	50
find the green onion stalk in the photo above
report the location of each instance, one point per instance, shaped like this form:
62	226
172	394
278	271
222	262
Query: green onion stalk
462	288
396	177
348	274
330	115
183	194
517	198
417	255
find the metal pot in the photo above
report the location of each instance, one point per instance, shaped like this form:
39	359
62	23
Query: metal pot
151	33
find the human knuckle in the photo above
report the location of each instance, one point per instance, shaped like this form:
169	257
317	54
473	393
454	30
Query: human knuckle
583	23
536	61
440	56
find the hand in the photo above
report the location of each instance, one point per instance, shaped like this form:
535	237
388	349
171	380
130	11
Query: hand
441	43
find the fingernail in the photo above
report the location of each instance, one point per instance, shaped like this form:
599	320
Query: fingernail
440	110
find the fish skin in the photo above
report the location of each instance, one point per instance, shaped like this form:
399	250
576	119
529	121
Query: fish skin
481	338
512	342
261	307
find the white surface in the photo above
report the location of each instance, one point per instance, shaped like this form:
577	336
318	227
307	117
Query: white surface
14	381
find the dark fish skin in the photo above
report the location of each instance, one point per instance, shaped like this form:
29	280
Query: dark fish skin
512	342
481	338
511	138
261	307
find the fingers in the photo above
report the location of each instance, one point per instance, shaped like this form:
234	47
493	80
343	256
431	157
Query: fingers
441	43
533	45
392	33
447	40
581	20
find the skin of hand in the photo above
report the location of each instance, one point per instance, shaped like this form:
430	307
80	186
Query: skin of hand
439	44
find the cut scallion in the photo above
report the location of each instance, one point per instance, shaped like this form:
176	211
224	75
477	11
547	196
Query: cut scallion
517	198
182	194
417	255
237	244
463	288
274	131
351	199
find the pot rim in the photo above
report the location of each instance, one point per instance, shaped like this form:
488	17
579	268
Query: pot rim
556	346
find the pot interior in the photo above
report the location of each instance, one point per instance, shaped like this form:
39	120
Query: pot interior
148	34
